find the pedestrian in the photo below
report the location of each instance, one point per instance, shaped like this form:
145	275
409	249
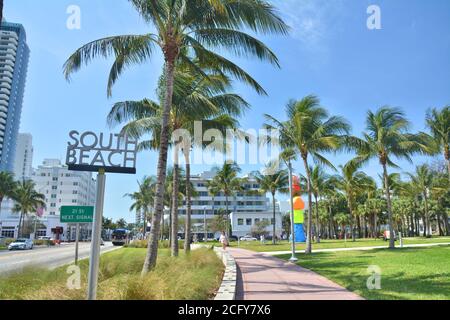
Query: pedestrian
223	240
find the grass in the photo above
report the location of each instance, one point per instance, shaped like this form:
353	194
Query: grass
333	244
406	274
192	277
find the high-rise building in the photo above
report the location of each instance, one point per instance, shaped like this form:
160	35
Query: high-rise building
14	55
23	164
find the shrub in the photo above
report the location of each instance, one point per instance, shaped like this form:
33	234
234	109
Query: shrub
189	277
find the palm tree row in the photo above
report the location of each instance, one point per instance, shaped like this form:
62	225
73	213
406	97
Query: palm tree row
26	199
310	131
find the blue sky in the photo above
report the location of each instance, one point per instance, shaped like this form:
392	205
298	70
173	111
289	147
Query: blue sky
330	52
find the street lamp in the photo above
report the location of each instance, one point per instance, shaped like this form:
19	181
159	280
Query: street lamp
204	224
293	258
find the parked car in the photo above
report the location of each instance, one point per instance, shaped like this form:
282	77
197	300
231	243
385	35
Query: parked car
248	238
234	238
21	244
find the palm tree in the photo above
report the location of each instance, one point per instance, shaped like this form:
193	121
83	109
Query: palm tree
318	182
195	99
273	182
185	30
439	124
386	137
351	183
27	200
143	199
311	131
226	181
7	186
422	180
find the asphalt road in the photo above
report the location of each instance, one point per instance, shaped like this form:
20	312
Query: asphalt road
46	257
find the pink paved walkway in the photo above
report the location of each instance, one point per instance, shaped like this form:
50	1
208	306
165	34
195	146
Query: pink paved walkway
263	277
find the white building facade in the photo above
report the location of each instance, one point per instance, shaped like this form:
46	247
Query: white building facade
61	187
23	164
249	207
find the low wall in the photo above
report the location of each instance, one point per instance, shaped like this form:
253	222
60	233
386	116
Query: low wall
227	290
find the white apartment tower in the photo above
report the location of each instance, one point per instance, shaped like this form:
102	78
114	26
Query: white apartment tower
23	165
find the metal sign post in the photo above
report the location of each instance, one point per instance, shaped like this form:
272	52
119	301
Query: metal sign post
94	259
291	197
77	237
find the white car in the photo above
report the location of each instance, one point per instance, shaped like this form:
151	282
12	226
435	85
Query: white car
21	244
248	238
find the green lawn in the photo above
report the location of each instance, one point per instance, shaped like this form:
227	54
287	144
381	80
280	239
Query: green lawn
407	274
331	244
193	277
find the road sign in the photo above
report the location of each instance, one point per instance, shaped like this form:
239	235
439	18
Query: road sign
77	214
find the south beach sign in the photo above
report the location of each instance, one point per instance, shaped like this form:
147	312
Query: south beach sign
92	152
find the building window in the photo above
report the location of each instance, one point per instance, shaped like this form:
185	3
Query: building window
54	187
74	201
53	196
240	222
256	220
272	221
55	179
53	205
248	221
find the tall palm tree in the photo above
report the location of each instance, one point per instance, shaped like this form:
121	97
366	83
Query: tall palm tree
273	182
318	182
352	182
227	181
195	99
386	137
439	124
311	131
27	200
7	186
143	199
422	180
185	30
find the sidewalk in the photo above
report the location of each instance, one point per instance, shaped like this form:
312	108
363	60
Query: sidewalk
419	245
262	277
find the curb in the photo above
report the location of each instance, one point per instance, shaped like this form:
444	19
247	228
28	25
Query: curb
227	290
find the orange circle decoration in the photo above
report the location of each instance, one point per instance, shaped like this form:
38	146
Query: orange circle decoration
298	203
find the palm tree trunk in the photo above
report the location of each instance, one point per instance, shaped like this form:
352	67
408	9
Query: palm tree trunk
317	219
427	216
187	234
175	193
350	207
228	215
330	221
19	229
274	219
375	225
145	223
389	207
152	249
308	249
